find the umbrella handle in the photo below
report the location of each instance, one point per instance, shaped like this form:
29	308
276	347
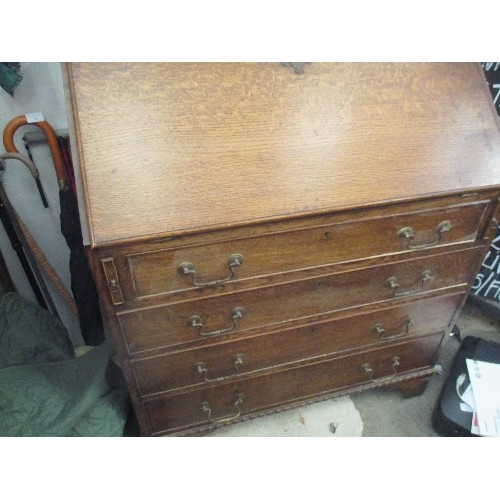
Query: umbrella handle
32	168
16	156
8	141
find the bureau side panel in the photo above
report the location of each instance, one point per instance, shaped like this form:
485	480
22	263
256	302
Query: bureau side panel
114	330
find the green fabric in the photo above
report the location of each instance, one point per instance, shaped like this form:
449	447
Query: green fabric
30	334
44	389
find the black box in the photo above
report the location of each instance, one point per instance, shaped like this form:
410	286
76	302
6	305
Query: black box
447	418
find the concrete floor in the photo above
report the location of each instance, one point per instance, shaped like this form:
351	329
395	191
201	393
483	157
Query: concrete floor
386	413
379	412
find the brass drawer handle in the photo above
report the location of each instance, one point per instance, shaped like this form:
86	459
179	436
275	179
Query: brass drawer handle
186	269
368	370
407	232
384	336
236	313
205	407
202	369
395	362
392	283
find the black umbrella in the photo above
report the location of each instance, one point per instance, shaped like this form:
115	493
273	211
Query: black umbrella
82	282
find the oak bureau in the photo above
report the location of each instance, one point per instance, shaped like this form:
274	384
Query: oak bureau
265	235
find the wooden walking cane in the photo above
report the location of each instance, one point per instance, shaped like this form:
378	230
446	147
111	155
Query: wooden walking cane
33	246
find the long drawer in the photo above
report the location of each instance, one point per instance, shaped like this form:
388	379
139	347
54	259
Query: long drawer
218	404
230	359
199	320
329	240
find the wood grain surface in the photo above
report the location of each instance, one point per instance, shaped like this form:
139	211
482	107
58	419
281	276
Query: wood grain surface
169	325
156	273
312	178
318	341
167	414
182	147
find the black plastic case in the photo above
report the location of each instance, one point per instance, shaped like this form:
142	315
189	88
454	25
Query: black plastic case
447	418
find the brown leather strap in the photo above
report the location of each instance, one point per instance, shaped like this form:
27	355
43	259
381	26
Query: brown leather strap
8	142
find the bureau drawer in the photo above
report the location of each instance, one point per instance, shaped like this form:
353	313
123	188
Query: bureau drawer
330	240
224	361
199	320
218	404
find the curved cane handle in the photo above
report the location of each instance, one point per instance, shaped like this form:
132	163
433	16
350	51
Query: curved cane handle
205	407
8	142
409	235
187	269
16	156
